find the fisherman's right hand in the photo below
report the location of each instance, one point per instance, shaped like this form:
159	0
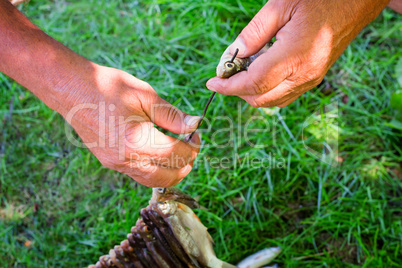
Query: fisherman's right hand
310	36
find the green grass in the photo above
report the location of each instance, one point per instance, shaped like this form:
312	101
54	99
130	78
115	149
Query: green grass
73	210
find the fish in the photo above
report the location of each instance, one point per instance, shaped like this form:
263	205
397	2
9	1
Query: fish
226	68
260	258
169	234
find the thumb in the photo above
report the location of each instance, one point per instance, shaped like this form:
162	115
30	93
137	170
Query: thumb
165	115
262	28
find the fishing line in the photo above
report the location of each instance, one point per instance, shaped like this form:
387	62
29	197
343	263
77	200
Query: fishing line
208	103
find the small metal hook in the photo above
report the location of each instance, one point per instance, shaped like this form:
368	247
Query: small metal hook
208	103
202	117
234	55
205	111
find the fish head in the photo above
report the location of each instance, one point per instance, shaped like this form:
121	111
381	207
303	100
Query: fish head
227	69
160	195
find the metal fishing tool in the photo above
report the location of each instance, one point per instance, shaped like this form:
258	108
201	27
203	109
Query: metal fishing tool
209	102
205	109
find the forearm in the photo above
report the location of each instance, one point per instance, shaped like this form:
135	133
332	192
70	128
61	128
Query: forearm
38	62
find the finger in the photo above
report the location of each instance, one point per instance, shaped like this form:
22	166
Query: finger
262	28
287	102
265	73
146	142
280	94
156	176
165	115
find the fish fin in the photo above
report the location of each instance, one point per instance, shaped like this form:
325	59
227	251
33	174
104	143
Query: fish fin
260	258
210	239
227	265
274	266
203	208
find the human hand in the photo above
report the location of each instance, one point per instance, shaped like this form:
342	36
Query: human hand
114	114
396	5
310	36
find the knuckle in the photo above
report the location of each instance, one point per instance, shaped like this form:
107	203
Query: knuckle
146	86
171	115
314	76
254	102
305	67
309	72
257	87
296	65
314	69
131	155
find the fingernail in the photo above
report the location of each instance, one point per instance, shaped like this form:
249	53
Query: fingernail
190	120
238	43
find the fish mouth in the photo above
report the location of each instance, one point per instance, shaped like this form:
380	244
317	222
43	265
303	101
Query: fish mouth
228	73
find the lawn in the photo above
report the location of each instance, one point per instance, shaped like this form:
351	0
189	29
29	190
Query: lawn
60	208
